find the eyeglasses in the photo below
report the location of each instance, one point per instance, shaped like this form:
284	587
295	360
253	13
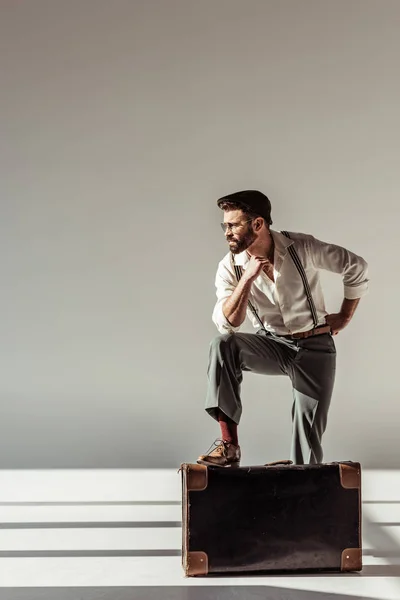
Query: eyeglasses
233	226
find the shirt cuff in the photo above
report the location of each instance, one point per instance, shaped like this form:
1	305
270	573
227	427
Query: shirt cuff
222	322
352	292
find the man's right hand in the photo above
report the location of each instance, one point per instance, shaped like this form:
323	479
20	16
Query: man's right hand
254	268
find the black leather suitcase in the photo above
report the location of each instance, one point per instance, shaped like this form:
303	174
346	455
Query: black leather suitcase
279	518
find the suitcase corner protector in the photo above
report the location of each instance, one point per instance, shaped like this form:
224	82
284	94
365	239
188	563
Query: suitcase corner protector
350	475
196	477
351	559
196	564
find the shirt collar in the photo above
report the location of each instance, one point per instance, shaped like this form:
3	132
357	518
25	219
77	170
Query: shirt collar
281	244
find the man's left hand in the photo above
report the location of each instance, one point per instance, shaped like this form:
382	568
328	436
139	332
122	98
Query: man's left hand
337	322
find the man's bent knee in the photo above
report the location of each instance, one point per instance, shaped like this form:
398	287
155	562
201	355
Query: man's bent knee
222	342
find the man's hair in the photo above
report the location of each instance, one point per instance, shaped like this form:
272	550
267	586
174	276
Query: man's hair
229	205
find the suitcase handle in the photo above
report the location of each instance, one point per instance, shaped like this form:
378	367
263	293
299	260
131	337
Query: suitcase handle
278	462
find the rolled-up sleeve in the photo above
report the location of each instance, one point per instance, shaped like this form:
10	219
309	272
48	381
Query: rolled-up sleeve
225	284
353	268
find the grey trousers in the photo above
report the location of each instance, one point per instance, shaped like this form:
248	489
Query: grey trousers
310	363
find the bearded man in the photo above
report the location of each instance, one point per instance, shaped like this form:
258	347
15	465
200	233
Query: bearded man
273	278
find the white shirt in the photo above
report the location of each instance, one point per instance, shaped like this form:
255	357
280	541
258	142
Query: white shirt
282	306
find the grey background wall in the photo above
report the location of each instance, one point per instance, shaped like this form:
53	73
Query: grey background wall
121	123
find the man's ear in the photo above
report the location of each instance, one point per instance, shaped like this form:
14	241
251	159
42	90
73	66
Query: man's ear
258	223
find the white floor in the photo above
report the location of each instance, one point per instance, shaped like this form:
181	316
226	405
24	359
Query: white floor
115	534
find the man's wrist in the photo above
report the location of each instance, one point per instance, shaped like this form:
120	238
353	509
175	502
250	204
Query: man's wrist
345	316
249	278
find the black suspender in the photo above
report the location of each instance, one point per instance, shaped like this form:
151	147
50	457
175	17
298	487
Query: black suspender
297	262
300	268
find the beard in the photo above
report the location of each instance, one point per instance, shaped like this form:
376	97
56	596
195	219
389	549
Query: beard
240	243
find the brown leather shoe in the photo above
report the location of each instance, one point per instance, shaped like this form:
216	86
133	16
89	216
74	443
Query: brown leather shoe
225	454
